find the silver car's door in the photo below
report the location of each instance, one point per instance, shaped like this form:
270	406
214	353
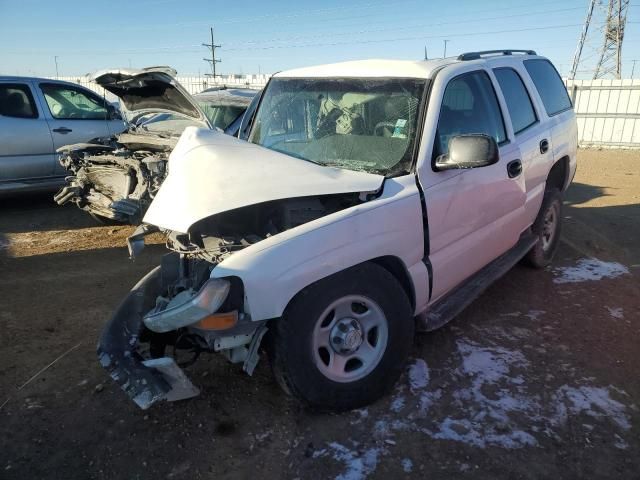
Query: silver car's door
77	115
26	147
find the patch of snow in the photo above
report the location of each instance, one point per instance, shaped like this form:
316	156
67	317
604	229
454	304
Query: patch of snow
620	443
418	375
589	269
358	465
534	314
398	403
616	312
407	465
593	401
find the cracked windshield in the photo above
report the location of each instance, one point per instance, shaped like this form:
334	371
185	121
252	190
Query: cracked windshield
357	124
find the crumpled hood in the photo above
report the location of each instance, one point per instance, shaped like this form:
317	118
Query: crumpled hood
152	89
211	173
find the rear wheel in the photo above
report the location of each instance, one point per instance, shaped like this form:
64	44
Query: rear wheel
547	228
343	342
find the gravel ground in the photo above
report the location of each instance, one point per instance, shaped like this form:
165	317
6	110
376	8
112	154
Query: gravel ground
536	379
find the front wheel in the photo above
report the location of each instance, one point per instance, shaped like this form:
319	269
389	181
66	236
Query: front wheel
546	227
343	342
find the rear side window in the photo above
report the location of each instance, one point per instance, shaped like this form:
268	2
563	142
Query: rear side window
16	101
469	105
549	85
518	102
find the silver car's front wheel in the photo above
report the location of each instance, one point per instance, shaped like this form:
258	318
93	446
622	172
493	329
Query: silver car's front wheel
349	338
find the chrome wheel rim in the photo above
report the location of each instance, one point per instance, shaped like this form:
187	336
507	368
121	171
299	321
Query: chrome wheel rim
549	227
350	338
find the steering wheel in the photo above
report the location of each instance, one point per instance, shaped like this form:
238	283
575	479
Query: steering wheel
381	126
328	124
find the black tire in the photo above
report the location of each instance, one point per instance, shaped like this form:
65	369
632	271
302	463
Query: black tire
292	355
542	253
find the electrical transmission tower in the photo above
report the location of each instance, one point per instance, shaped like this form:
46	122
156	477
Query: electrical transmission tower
213	60
599	52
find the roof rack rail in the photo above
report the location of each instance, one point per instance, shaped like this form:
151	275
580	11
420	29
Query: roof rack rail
478	55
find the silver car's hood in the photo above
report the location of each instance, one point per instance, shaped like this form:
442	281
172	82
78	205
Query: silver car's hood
152	89
211	173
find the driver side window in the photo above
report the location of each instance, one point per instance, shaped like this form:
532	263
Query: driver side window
469	105
66	103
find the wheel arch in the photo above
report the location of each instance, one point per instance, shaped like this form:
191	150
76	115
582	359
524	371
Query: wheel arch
559	174
392	264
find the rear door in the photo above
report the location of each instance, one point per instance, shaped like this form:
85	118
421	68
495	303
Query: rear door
531	132
26	146
474	215
77	115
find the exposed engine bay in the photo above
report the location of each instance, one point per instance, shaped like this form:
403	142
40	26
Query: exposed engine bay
118	178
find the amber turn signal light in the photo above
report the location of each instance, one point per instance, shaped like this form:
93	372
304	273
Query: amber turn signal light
218	321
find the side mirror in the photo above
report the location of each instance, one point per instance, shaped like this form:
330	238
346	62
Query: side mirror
469	151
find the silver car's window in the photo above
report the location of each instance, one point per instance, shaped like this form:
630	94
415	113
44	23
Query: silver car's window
16	101
357	124
68	103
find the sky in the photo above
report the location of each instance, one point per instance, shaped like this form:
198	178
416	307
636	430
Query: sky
266	37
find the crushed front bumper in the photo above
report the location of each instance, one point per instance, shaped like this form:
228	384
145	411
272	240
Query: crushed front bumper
144	381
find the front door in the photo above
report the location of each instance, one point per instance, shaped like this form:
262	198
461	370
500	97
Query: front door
474	215
77	115
26	148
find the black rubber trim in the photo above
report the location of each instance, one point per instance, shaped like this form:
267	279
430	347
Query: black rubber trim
425	236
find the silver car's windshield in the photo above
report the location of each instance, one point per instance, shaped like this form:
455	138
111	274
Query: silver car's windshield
357	124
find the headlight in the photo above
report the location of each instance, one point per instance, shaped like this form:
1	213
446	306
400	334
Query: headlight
197	307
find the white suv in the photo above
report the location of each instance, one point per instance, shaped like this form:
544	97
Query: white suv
372	198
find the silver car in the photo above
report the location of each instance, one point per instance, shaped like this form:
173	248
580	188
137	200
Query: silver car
38	116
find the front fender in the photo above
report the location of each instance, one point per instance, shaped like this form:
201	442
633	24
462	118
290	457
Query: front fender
274	270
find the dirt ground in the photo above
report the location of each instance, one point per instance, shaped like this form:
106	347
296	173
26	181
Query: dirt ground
539	378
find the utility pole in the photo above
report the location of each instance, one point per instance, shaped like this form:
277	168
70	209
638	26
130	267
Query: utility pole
633	68
55	59
213	60
445	48
604	43
426	57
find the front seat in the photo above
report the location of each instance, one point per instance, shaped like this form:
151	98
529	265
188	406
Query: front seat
17	105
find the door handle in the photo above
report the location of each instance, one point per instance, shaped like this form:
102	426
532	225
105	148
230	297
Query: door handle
62	130
544	146
514	168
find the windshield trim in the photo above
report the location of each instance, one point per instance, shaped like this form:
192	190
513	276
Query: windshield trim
421	115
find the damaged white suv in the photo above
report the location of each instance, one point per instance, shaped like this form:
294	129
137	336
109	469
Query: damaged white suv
371	199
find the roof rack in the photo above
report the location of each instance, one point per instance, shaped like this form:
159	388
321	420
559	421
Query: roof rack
478	55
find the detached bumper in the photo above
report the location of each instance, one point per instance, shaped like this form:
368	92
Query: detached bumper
144	381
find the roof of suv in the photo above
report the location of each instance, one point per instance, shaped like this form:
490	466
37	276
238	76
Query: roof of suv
370	68
394	68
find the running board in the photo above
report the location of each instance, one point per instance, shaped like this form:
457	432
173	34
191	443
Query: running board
446	309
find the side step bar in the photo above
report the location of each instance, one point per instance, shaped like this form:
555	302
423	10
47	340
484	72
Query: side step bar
446	309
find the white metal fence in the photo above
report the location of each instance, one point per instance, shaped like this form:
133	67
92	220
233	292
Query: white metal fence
608	111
